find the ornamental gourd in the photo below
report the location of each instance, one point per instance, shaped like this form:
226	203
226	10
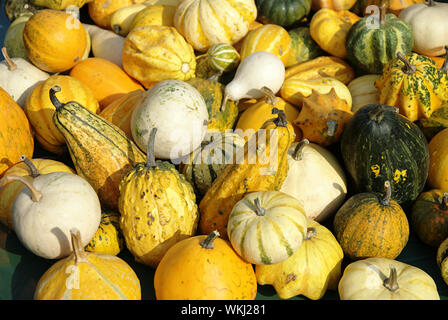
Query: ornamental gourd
413	71
337	5
370	48
303	47
437	122
312	270
386	279
438	155
121	19
52	44
371	225
191	265
155	53
219	58
267	227
100	151
60	4
88	276
157	208
363	91
48	207
378	144
361	7
284	13
255	169
159	15
205	23
315	178
100	11
108	239
442	261
13	41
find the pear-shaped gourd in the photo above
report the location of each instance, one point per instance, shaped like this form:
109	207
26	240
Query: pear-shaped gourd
48	207
18	77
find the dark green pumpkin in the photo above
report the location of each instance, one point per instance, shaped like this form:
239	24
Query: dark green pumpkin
435	123
379	144
284	13
371	46
213	93
304	48
429	217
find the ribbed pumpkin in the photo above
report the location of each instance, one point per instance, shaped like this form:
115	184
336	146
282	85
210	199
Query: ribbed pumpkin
156	53
100	151
157	206
40	110
438	155
303	47
191	265
107	80
363	91
321	67
16	138
108	239
154	15
404	73
377	145
213	92
337	5
437	122
370	47
269	37
28	168
88	276
53	44
329	28
100	11
371	225
429	217
312	270
252	171
222	57
206	163
205	23
119	112
284	13
267	227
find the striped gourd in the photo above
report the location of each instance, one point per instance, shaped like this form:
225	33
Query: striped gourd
303	47
101	152
378	144
207	162
414	85
108	239
88	276
267	227
285	13
223	57
269	37
371	44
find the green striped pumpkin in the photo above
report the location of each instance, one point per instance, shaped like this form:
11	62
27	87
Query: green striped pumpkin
267	227
435	123
223	57
304	48
370	46
207	162
378	144
284	13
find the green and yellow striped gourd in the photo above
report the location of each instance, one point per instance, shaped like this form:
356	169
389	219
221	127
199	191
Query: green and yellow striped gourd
303	47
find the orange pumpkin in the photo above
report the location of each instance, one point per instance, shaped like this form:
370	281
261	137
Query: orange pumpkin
438	161
53	41
204	267
16	138
107	80
119	112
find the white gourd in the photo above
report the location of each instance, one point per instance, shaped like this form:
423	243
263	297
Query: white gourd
106	44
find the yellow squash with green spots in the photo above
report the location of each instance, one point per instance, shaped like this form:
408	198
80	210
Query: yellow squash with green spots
108	238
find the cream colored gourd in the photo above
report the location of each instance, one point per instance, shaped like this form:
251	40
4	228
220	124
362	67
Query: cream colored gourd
429	22
18	77
316	179
105	44
259	69
385	279
363	91
178	111
48	207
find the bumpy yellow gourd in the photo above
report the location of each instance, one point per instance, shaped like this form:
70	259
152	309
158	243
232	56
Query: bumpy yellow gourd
158	208
108	239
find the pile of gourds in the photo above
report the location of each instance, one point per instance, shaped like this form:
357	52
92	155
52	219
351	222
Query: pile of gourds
226	144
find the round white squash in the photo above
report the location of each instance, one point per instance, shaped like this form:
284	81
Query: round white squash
106	44
18	77
179	113
48	207
316	179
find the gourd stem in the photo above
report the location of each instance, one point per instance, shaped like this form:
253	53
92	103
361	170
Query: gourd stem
444	67
33	170
35	194
385	201
444	202
11	65
224	102
383	14
391	283
408	67
78	250
332	126
297	154
259	210
270	96
116	28
281	119
54	100
310	233
207	243
150	157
